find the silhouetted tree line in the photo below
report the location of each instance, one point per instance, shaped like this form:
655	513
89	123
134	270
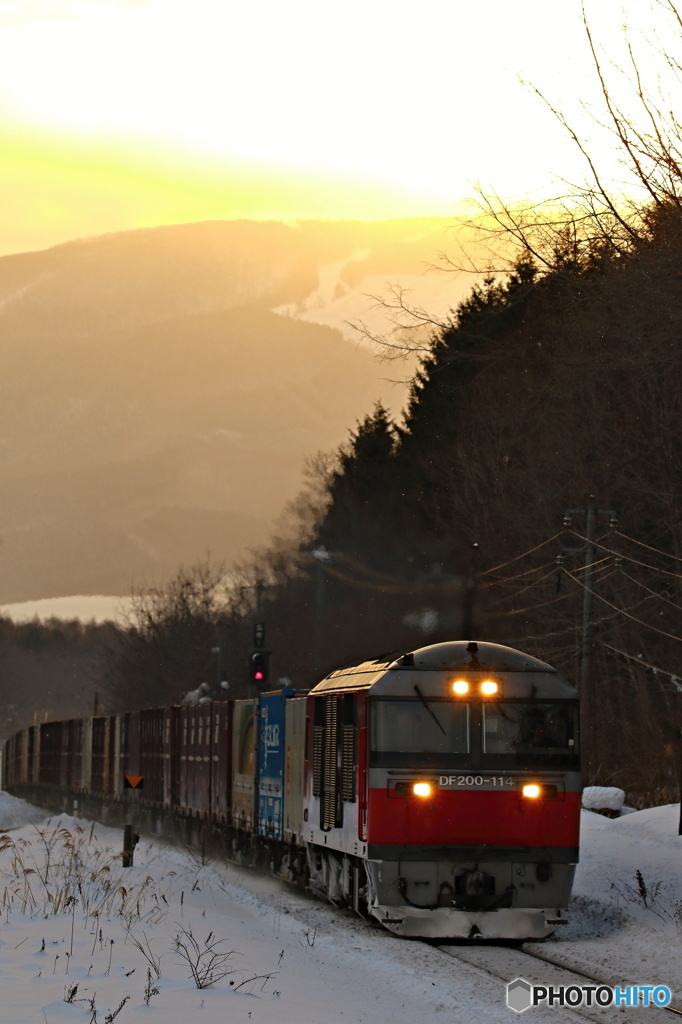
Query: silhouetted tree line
52	670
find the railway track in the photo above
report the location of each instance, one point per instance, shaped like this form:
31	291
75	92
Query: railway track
508	963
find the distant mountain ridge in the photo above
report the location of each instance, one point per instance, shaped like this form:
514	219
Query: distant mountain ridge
152	404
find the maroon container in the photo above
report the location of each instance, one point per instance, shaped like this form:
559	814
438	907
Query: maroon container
98	755
130	744
171	743
151	754
50	753
221	760
195	759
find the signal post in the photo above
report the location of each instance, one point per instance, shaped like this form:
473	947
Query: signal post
259	661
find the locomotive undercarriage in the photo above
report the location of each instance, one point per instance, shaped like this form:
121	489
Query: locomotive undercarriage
481	899
477	898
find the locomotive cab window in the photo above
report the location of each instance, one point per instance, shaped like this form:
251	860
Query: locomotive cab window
521	732
409	727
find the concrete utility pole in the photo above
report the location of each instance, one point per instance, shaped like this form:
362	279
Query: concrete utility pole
588	597
586	694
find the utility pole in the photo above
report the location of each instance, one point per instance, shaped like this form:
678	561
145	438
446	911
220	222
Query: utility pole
586	694
588	618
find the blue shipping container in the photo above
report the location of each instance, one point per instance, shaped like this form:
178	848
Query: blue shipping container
271	748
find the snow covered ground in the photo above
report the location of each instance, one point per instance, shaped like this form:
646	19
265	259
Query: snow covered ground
71	916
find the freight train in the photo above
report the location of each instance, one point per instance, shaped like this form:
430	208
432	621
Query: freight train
437	791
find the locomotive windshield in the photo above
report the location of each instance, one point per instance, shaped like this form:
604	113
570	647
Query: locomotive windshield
519	732
418	727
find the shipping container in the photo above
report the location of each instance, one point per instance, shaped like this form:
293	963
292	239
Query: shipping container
244	764
270	765
50	753
221	761
294	768
171	756
195	759
151	754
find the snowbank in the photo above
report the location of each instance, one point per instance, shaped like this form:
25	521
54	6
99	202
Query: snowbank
603	798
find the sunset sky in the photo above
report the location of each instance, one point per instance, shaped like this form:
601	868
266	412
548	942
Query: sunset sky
118	114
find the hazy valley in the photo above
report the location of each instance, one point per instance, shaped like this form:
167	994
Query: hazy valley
162	388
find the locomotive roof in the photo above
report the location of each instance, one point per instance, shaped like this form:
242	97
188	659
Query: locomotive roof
457	655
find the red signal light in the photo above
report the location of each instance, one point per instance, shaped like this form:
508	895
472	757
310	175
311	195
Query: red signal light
259	666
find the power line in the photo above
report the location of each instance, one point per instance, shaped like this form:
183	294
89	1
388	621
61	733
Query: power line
629	558
661	597
597	622
641	544
519	575
622	611
530	586
536	607
519	557
640	661
535	583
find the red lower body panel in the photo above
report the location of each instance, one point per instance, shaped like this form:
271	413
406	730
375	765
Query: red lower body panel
488	818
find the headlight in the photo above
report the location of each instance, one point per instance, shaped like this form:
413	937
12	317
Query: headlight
532	790
422	789
488	687
460	686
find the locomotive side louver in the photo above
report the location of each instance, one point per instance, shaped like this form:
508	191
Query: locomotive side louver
318	747
348	763
331	770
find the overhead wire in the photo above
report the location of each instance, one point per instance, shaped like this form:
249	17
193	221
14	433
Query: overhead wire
622	611
535	583
530	586
553	562
519	575
641	544
628	558
517	558
661	597
537	607
674	679
576	629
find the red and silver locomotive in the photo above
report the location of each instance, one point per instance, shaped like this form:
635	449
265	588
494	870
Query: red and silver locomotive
437	791
462	816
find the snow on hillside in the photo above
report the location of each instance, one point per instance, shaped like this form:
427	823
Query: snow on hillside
92	608
83	939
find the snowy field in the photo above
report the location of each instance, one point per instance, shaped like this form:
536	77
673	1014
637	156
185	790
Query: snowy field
84	940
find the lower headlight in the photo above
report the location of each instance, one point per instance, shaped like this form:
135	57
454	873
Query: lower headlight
422	789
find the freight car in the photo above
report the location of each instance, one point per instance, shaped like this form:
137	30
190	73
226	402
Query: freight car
437	791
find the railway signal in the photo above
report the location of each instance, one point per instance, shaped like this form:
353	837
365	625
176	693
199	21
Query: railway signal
259	667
